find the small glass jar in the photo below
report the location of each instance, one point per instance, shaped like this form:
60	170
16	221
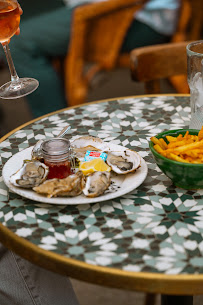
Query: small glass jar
57	156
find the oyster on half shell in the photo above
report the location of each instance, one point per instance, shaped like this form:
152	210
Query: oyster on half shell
31	174
71	186
96	184
123	162
88	140
84	143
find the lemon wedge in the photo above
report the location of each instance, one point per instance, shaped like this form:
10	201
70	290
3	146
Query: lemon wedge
94	165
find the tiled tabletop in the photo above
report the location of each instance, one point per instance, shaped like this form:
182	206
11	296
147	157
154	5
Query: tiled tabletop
157	228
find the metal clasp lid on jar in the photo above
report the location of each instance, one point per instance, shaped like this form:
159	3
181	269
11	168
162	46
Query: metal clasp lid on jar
56	150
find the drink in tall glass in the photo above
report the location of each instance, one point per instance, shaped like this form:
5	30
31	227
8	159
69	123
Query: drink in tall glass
9	19
195	81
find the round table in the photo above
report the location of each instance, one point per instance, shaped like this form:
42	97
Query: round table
148	240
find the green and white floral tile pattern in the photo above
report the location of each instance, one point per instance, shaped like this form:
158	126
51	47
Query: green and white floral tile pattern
155	228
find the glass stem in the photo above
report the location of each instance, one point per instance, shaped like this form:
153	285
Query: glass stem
14	75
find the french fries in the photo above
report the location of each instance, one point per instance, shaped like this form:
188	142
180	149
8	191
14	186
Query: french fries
187	148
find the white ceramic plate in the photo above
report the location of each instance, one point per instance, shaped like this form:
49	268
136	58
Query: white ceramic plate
122	184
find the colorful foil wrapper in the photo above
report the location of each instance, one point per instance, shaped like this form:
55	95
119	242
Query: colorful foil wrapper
90	155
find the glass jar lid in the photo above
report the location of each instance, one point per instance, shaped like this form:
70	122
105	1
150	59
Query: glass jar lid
57	147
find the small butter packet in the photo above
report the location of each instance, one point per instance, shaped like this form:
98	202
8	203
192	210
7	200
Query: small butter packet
95	154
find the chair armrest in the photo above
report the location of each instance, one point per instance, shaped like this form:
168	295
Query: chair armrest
158	61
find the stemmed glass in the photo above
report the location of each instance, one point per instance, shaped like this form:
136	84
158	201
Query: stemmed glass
9	23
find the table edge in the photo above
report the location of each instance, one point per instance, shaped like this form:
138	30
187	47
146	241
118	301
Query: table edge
182	284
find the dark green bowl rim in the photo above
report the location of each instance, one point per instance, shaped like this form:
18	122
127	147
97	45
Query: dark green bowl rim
172	132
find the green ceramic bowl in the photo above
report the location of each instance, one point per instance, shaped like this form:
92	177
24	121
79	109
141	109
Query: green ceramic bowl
184	175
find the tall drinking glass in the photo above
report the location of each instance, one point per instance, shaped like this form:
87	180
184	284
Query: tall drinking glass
195	81
9	23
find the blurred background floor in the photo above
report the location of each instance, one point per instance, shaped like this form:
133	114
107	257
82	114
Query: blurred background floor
89	294
117	84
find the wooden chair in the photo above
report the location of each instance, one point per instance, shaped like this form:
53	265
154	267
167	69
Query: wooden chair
190	27
98	30
152	63
196	21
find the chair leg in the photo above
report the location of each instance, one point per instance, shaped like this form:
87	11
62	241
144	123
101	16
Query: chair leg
150	299
78	94
152	87
179	82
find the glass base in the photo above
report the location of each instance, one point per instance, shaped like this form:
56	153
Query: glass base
19	88
196	120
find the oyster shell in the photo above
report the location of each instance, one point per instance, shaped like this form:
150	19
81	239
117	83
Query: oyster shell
81	151
88	140
96	184
31	174
84	143
36	151
123	162
70	186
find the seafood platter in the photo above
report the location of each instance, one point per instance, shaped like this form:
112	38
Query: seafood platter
76	171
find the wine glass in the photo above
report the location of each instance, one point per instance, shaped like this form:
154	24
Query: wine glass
9	23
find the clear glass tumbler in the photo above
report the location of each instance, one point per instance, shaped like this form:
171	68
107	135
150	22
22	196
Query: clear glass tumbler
195	82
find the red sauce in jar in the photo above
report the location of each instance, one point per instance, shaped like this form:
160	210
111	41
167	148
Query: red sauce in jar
58	170
56	154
